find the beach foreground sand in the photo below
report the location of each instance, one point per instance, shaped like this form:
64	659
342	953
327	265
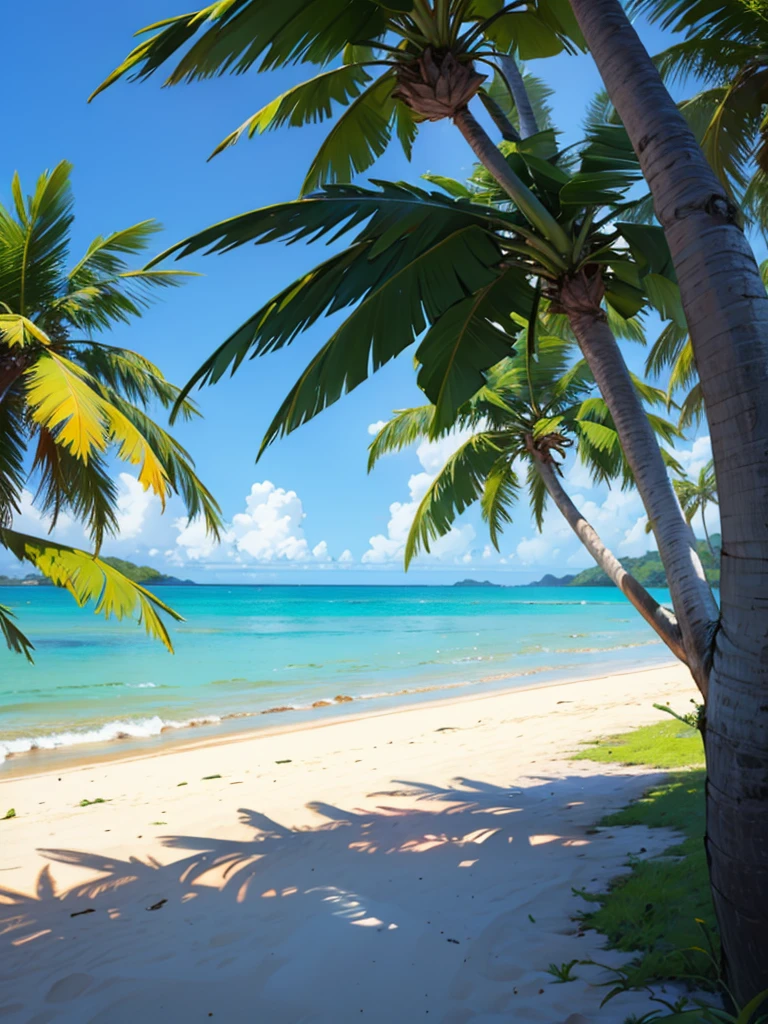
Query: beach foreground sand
413	866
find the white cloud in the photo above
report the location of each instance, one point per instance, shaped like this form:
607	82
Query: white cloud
487	551
695	458
345	558
270	529
374	428
133	504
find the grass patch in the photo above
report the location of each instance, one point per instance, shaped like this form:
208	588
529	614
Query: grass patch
90	803
664	745
655	909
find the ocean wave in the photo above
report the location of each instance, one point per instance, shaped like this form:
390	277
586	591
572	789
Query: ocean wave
141	728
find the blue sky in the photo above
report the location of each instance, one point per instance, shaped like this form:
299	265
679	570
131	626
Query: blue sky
308	511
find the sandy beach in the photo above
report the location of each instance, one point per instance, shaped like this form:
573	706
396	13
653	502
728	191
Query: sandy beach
409	866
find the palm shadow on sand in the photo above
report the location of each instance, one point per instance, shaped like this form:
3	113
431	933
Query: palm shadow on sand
429	897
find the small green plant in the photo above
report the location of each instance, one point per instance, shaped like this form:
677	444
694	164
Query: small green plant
9	814
158	823
207	777
90	803
563	973
695	719
181	784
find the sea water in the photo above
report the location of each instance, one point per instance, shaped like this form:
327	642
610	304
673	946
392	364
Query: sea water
253	655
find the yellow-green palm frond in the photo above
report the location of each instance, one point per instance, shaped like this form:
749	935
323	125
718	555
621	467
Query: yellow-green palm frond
67	402
19	331
90	579
62	400
176	462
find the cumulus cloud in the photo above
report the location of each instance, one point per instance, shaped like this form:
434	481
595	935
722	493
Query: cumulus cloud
133	505
695	458
270	529
374	428
345	558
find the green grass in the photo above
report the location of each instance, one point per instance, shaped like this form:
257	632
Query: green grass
665	745
654	909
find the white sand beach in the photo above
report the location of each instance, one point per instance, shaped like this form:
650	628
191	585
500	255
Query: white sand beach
410	866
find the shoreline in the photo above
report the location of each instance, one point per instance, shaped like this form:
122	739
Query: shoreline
300	871
185	736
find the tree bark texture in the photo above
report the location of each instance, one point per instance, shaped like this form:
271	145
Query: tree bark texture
727	311
514	79
692	598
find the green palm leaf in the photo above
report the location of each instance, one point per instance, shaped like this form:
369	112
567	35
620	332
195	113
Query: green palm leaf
84	488
500	492
358	138
454	489
306	103
405	427
14	638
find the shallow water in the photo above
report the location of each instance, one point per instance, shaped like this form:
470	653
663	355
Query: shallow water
245	650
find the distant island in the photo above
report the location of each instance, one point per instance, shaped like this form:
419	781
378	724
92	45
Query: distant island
476	583
143	574
647	569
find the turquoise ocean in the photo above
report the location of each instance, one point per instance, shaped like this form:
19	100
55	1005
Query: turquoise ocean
245	651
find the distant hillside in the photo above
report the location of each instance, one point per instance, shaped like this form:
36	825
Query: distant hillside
143	574
647	569
476	583
146	575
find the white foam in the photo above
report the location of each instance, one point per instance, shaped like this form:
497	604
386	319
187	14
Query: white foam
136	728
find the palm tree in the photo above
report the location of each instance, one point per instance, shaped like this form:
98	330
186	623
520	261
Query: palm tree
527	415
695	495
725	306
428	75
727	313
462	266
70	401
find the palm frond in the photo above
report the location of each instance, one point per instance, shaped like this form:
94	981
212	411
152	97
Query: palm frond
457	486
89	578
537	495
14	638
33	244
405	427
500	492
130	375
68	483
306	103
357	139
232	35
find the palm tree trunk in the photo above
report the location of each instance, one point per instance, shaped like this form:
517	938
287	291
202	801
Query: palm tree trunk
514	79
654	614
727	311
508	131
490	157
694	605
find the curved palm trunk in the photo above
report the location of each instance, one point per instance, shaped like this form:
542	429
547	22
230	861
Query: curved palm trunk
727	311
514	79
489	156
508	131
654	614
694	605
